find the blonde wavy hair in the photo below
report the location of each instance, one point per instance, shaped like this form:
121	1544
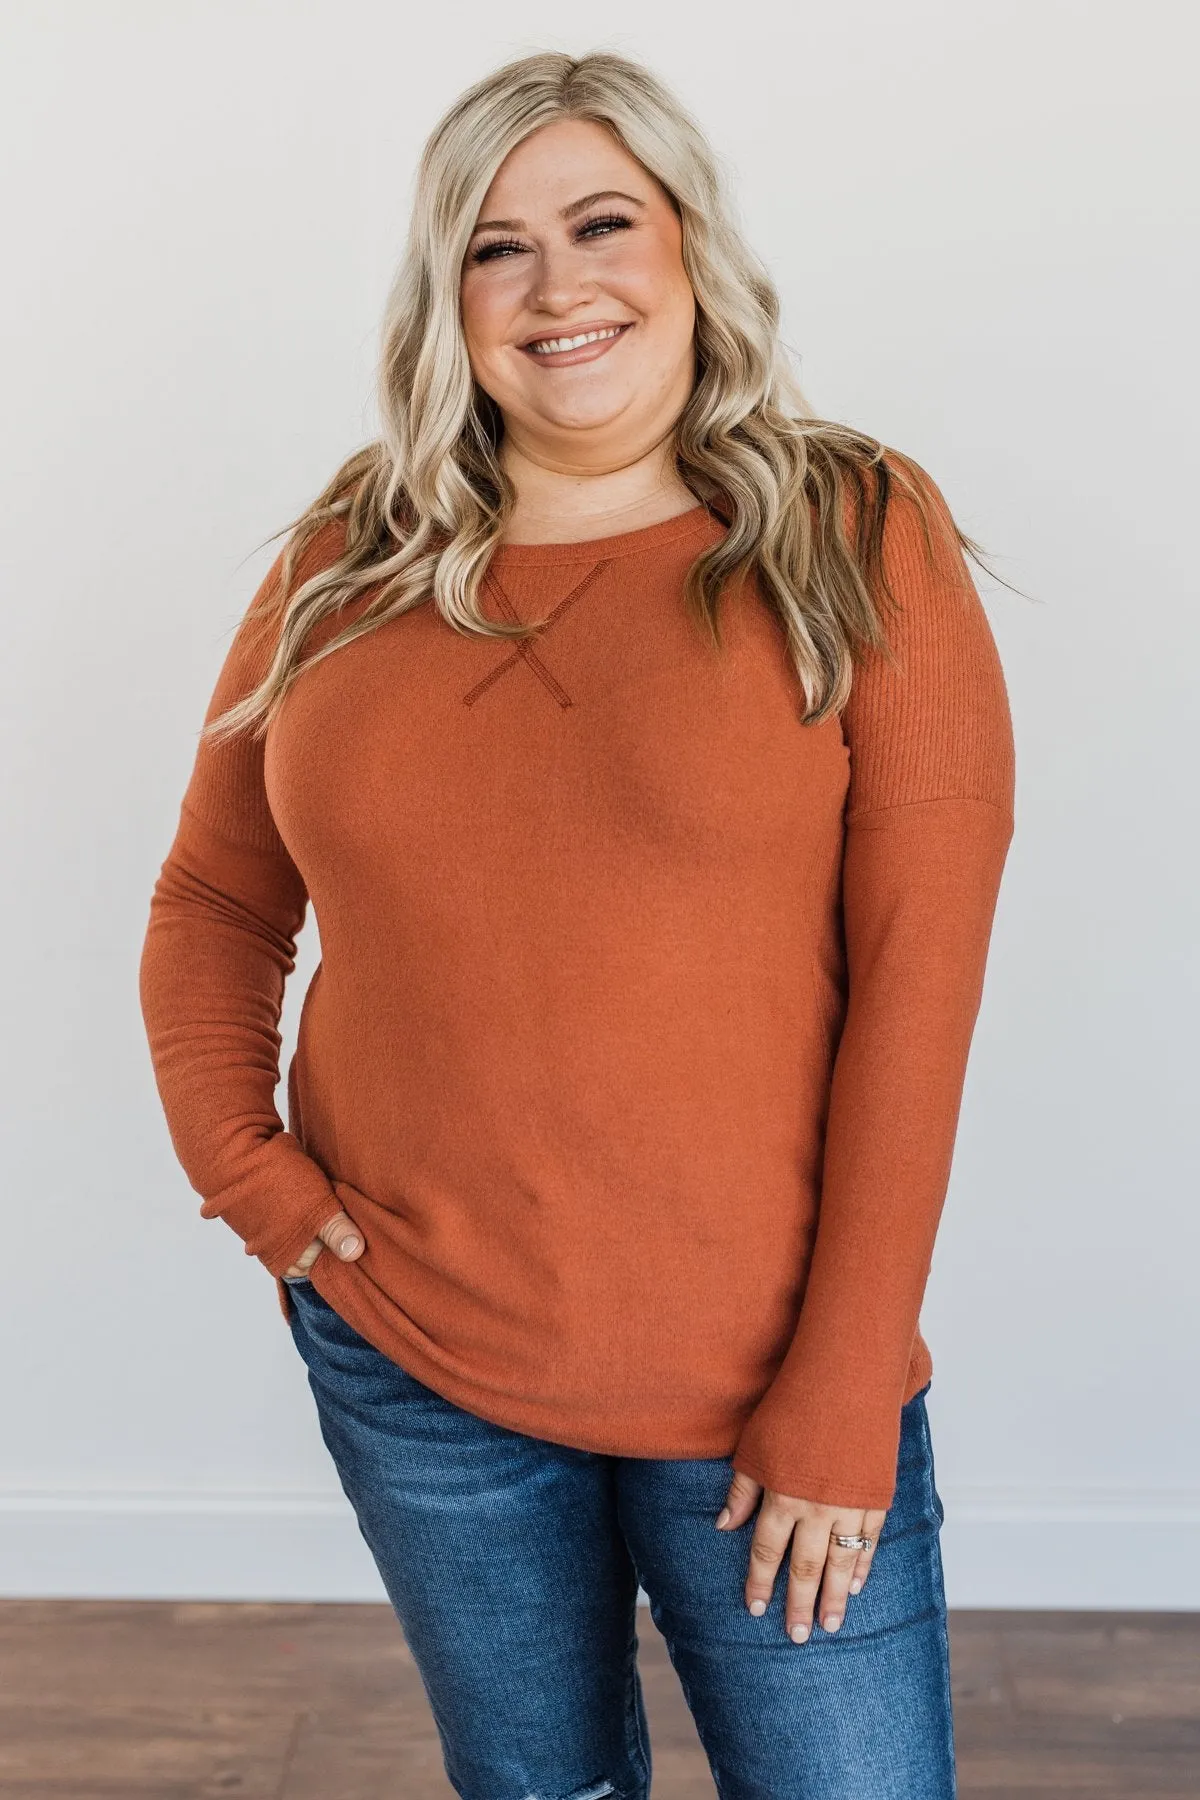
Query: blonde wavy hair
804	498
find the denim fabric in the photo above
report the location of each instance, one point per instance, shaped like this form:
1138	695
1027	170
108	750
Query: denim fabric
513	1565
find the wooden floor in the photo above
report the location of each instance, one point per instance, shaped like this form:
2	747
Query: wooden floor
165	1701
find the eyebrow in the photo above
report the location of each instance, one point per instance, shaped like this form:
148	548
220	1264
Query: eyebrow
565	212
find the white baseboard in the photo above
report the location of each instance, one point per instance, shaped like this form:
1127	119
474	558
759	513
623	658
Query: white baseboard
1081	1549
1073	1548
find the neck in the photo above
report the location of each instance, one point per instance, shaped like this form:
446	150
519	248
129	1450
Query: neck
561	503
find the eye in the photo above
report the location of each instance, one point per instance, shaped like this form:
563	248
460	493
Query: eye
605	223
502	248
498	247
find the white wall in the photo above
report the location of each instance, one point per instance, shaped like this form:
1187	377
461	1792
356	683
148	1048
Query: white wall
982	221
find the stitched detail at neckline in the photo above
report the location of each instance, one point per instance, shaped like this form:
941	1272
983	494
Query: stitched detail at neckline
524	649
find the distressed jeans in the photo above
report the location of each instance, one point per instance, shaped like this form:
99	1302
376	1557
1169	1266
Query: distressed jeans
513	1565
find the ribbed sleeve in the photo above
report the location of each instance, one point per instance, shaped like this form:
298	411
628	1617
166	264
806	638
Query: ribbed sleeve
219	946
929	818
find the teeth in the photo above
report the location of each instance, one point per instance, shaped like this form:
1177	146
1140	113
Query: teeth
550	346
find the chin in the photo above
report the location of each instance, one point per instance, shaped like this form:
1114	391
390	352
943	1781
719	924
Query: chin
589	412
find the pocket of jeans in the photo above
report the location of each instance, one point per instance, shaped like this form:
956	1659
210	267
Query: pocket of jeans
296	1280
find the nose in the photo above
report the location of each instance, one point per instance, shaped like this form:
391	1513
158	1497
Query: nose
559	280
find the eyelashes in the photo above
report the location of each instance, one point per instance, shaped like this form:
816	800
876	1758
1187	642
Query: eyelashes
500	248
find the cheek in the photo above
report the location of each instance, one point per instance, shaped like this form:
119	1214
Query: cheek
485	315
656	282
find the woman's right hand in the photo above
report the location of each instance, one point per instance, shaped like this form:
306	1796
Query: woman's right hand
339	1234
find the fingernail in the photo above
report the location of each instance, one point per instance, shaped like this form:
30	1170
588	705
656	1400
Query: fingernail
856	1587
832	1622
722	1518
799	1633
758	1608
349	1246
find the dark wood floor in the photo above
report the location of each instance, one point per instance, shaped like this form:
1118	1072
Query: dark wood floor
166	1701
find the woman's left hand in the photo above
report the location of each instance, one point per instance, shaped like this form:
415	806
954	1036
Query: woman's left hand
339	1234
815	1562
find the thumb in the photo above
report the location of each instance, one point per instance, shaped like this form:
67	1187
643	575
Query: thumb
740	1502
341	1235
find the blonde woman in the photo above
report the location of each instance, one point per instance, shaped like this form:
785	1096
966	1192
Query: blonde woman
641	744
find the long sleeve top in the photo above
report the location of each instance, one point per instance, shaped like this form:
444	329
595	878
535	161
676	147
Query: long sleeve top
637	1042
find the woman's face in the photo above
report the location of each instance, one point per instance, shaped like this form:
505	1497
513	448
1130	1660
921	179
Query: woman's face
575	237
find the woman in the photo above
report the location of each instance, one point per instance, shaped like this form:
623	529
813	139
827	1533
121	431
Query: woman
643	748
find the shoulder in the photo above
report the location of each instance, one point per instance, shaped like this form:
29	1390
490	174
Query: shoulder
922	546
255	637
900	532
916	563
309	550
928	711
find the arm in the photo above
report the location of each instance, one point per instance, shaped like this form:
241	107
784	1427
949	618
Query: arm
220	943
928	824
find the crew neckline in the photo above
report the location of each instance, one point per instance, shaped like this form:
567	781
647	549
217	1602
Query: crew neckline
600	549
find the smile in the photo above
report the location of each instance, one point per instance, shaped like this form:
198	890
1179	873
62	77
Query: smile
577	346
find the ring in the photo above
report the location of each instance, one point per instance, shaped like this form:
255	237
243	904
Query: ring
854	1543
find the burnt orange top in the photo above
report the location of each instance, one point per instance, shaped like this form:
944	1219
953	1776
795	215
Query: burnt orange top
637	1044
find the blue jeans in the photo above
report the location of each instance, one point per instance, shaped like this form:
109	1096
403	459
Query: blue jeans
513	1564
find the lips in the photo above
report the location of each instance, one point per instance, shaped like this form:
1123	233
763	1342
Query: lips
585	339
